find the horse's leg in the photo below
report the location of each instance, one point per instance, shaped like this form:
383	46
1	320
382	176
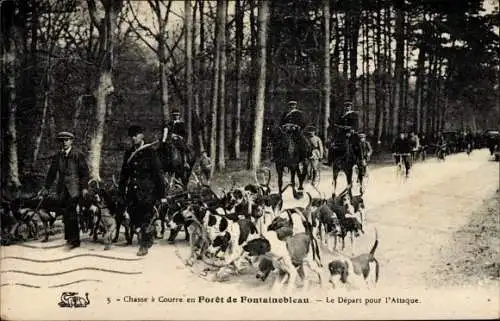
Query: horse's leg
293	169
361	174
334	182
348	175
279	171
302	175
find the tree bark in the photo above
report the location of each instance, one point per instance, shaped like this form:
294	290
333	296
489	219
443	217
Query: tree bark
46	102
221	155
219	35
263	19
188	39
10	32
354	22
107	30
239	15
398	70
327	85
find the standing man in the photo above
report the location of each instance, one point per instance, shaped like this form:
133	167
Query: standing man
178	132
366	149
415	146
141	185
317	153
70	168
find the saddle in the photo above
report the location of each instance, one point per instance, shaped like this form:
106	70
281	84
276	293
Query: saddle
290	128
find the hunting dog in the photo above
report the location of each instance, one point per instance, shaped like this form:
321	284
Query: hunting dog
191	218
101	208
356	271
47	210
286	255
232	240
17	223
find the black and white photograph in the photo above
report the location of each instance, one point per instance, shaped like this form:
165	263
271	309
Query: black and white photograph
249	159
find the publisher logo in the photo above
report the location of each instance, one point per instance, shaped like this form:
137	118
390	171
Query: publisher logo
73	300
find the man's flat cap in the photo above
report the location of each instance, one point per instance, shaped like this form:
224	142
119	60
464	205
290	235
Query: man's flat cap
292	103
362	135
348	103
134	130
176	112
65	135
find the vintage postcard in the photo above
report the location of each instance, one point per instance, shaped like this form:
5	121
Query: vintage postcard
249	160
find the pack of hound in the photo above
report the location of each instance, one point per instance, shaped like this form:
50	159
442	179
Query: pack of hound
246	227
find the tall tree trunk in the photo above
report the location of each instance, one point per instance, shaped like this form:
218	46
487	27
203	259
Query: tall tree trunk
378	74
219	38
197	83
398	69
336	63
188	39
107	32
252	93
239	16
46	102
354	22
221	155
203	77
345	55
163	69
10	31
418	89
261	83
327	85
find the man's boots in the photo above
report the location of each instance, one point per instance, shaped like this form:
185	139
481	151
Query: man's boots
142	251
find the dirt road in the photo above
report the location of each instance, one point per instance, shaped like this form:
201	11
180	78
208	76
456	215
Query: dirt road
415	221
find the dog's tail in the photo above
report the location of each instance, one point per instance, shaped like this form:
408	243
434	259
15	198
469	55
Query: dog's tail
372	251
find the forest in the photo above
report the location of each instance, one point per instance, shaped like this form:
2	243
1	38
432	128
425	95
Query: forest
94	67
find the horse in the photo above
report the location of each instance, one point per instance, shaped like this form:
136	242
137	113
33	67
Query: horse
173	164
289	153
344	158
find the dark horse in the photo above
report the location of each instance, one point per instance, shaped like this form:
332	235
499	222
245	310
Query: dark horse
344	156
173	163
291	153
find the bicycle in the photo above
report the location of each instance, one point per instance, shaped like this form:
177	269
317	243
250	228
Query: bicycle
441	152
400	167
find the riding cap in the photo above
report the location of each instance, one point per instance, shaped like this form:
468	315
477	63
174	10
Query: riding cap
134	130
310	129
348	103
175	112
362	135
65	135
292	103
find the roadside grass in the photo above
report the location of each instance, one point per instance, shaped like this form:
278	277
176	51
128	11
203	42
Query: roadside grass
474	255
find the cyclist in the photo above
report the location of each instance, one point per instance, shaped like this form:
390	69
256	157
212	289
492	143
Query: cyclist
402	147
441	146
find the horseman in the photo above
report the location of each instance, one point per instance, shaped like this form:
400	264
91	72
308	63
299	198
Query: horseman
177	129
294	122
349	123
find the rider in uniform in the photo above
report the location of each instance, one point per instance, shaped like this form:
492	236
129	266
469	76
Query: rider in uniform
178	132
141	186
349	123
295	121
